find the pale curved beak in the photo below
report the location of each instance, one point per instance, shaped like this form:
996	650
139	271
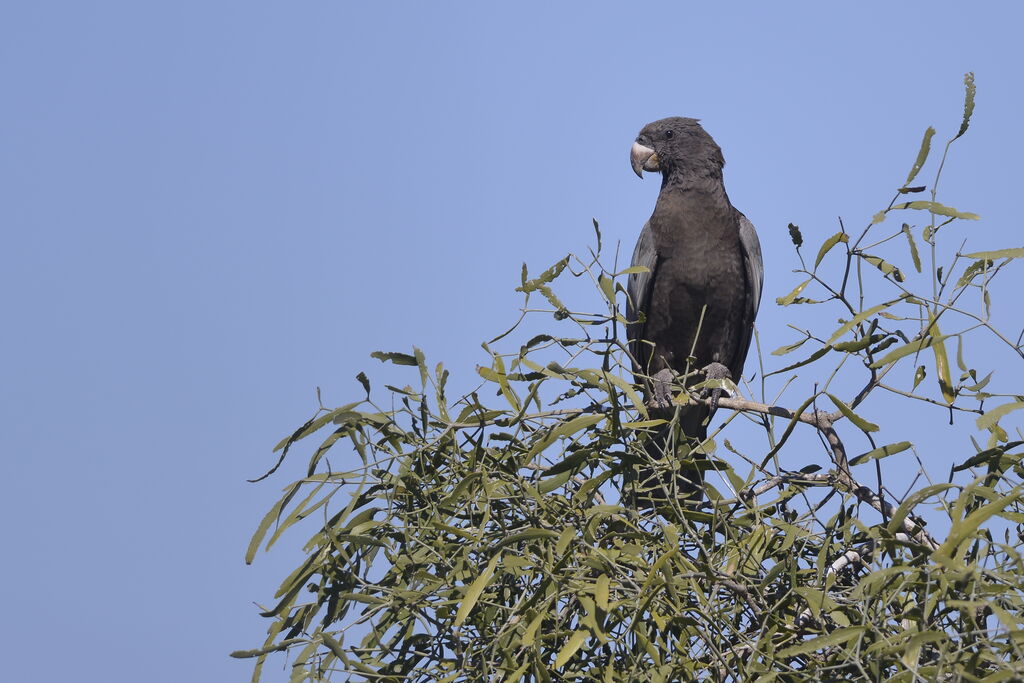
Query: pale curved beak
642	159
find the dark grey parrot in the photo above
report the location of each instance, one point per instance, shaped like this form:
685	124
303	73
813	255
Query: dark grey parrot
694	308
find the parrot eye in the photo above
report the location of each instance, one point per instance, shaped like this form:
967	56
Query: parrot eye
668	134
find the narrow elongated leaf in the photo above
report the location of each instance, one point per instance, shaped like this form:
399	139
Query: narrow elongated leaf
513	677
988	455
829	243
810	359
910	502
861	317
528	535
968	103
607	286
941	360
544	278
531	629
475	589
277	647
788	348
858	344
882	452
633	269
570	463
884	266
601	591
315	425
394	357
566	428
261	531
1017	252
551	483
991	417
966	527
976	268
789	298
936	208
922	155
852	416
574	643
421	361
906	350
837	637
914	255
629	391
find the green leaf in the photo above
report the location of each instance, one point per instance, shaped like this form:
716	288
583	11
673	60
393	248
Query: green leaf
906	350
570	463
549	484
919	375
884	266
988	455
992	417
855	345
601	591
861	317
421	361
783	350
829	243
574	643
394	357
264	526
837	637
806	361
633	269
475	589
971	271
789	298
528	535
277	647
315	425
941	360
365	382
607	286
861	423
922	155
545	277
882	452
936	208
1017	252
914	255
333	645
499	377
968	103
567	428
964	528
911	501
629	391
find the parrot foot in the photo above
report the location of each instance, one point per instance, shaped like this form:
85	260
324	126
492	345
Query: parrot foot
661	385
715	371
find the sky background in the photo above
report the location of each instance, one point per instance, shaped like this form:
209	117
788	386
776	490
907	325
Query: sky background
212	208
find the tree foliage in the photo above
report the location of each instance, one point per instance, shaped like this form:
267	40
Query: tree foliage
485	536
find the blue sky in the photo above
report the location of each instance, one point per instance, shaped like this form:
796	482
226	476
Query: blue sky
210	209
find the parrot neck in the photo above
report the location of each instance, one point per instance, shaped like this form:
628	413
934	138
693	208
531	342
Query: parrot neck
707	181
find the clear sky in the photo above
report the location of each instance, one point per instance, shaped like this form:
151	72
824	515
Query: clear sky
211	208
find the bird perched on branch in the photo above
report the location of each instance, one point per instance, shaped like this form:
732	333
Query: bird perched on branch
692	312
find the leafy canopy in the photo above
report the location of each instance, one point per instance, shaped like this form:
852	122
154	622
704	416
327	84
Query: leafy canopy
485	537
